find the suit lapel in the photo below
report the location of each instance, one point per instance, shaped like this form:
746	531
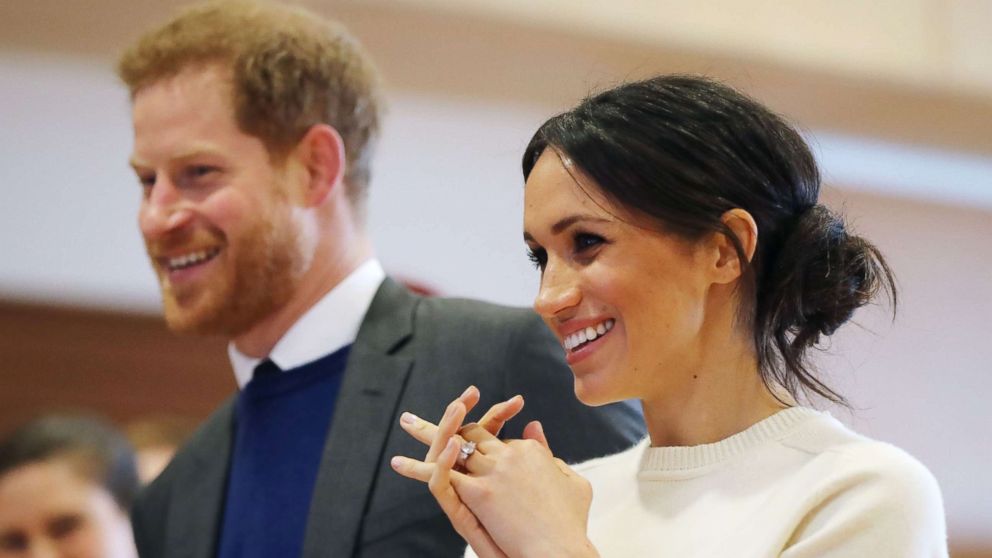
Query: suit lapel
363	417
194	514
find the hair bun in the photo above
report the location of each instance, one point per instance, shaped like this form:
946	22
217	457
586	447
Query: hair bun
823	274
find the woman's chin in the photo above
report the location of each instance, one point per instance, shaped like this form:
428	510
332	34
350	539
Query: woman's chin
591	394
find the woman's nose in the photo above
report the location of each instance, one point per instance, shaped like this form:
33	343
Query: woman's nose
559	293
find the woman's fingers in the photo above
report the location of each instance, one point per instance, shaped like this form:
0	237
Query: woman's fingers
442	485
535	431
485	442
449	425
470	398
500	413
425	431
411	468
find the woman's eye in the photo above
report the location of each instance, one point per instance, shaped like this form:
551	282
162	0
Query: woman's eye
538	257
586	241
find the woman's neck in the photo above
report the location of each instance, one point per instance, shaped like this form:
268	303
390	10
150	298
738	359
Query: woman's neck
711	400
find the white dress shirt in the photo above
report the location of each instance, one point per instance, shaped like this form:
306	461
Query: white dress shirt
327	326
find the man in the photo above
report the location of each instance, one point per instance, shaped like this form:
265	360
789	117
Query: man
66	485
253	132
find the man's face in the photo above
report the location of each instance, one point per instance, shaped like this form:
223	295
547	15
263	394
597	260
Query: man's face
48	509
215	213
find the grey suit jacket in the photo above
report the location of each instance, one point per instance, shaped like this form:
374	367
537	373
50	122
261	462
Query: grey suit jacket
411	354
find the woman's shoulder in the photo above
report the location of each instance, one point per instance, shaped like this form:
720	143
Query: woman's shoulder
873	479
850	483
826	439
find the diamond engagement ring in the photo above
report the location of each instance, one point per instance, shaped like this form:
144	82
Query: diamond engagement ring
467	449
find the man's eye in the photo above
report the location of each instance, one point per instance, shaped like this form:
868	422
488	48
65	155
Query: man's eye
194	175
538	257
146	180
199	171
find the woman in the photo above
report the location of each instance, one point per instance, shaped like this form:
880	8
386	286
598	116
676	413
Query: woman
685	262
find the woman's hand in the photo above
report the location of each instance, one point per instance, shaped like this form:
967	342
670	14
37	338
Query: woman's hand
524	500
444	448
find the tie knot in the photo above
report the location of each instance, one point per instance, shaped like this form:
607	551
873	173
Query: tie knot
266	368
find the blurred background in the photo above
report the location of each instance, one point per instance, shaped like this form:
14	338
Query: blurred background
895	96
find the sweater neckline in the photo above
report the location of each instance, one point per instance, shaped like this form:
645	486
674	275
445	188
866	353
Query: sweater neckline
698	459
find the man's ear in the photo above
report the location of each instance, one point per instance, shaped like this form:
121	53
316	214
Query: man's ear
728	263
321	152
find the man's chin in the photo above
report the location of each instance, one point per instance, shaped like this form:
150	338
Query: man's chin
185	324
192	320
228	320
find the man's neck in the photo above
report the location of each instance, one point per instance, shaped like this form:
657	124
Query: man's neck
320	279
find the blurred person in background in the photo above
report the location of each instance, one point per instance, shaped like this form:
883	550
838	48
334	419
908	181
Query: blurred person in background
66	485
155	441
254	127
685	261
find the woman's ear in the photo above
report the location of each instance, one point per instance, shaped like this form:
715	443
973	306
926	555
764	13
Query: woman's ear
728	263
321	152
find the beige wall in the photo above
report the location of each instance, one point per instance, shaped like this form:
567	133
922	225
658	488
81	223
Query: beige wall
934	43
922	381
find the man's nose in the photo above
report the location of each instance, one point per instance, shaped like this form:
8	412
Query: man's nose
162	210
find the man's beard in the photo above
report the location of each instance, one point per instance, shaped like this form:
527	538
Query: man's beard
266	268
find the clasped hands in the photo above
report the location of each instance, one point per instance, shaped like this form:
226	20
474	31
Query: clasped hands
507	498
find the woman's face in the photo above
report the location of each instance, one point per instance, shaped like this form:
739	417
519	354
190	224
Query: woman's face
627	302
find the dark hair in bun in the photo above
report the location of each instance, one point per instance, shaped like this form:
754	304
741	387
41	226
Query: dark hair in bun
681	151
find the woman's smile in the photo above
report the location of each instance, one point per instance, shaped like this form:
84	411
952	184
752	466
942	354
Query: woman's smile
583	339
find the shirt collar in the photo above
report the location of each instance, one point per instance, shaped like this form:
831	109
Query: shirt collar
327	326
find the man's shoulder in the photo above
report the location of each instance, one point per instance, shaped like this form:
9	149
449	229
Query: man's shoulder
474	311
395	312
214	433
469	325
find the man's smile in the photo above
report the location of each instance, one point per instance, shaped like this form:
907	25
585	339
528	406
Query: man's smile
189	259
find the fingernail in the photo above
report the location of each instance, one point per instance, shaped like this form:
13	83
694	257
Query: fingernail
408	418
467	391
396	462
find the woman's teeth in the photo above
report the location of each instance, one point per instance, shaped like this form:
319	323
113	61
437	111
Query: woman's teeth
588	334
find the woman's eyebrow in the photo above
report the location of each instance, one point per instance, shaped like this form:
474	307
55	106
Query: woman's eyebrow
566	222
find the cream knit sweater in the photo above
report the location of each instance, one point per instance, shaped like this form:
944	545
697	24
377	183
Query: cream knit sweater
798	484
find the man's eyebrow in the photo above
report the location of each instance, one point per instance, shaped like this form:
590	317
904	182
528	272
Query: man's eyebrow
195	151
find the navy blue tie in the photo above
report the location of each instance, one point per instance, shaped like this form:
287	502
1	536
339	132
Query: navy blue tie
266	369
